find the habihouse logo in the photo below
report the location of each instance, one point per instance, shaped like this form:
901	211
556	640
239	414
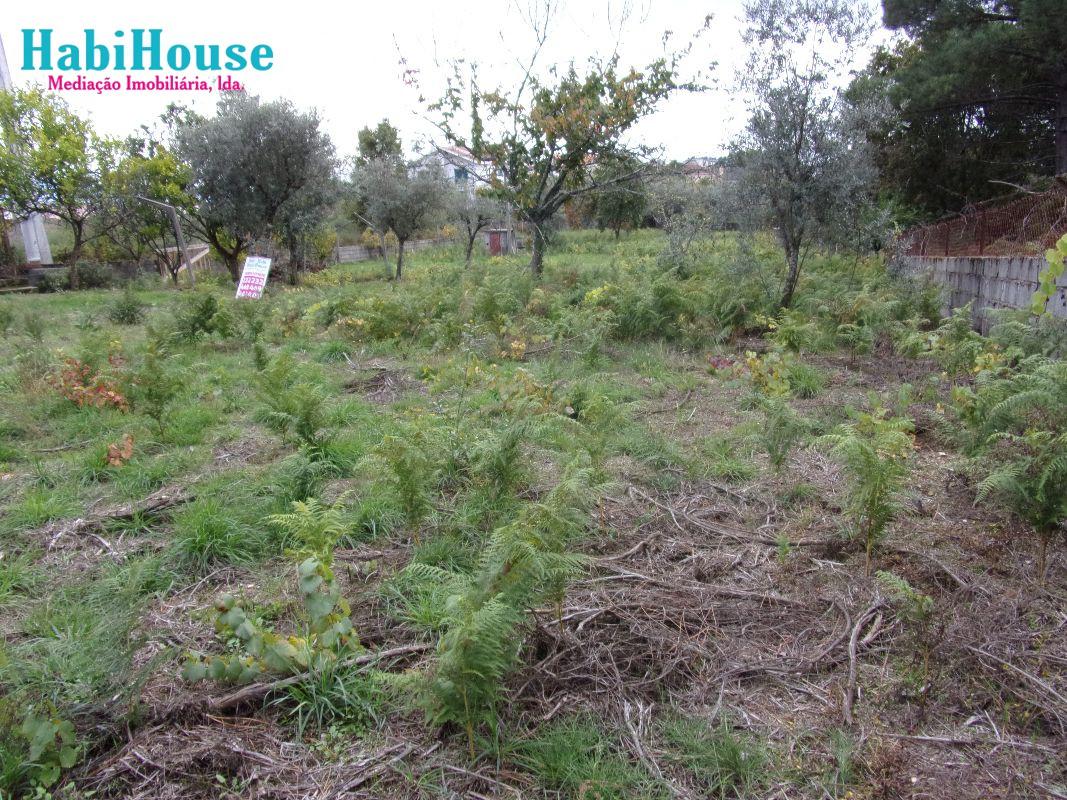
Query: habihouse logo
139	50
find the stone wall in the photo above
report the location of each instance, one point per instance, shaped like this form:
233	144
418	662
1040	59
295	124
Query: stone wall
991	282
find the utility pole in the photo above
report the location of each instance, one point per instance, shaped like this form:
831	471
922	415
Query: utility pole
172	213
34	238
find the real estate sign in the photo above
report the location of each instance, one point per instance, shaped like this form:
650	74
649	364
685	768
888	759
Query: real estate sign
253	277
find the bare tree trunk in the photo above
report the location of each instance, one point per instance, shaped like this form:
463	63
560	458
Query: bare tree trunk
537	251
399	258
230	260
75	253
230	257
791	278
7	252
471	238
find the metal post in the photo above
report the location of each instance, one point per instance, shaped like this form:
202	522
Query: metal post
172	213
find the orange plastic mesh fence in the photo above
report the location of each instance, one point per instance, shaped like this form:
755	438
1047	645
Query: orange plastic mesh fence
1025	224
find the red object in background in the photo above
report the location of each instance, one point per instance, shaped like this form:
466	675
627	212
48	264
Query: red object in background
494	243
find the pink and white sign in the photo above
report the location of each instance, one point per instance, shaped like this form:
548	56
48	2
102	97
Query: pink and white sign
253	277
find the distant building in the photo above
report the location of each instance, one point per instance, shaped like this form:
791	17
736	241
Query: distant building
458	166
700	168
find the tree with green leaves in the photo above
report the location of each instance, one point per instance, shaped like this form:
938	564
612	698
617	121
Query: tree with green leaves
619	206
473	211
803	166
54	162
400	198
256	167
148	171
541	139
381	141
979	88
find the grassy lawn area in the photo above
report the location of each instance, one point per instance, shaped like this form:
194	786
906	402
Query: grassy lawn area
480	537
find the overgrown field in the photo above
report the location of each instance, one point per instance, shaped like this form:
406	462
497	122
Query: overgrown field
620	534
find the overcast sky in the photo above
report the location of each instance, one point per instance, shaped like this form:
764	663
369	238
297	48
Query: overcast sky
344	59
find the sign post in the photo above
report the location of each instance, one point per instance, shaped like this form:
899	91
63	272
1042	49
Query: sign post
253	277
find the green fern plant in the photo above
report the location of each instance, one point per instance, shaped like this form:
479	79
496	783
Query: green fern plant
1032	478
314	527
792	331
497	462
294	407
781	429
955	344
154	387
1033	396
857	339
410	473
874	451
523	565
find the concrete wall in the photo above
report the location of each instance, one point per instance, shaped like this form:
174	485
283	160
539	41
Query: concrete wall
991	282
346	254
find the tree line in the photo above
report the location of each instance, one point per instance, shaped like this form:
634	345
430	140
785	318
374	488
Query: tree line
969	99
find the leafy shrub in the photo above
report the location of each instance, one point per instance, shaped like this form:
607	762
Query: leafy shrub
54	280
1056	259
35	752
127	309
314	528
154	387
768	373
201	314
95	276
84	386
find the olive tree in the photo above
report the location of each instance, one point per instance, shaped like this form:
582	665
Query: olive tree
687	211
256	167
400	198
804	166
473	212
